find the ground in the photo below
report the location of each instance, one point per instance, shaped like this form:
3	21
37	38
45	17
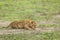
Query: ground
45	12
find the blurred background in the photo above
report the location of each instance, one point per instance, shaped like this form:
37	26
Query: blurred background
45	12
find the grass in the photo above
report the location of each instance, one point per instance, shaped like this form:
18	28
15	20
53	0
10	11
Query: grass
23	9
40	36
38	10
49	25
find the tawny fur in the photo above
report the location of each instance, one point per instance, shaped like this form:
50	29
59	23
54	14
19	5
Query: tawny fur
23	24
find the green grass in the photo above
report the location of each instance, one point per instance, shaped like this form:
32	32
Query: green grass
38	10
23	9
49	25
39	36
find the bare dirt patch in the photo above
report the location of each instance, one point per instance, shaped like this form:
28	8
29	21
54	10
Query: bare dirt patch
56	16
4	23
16	31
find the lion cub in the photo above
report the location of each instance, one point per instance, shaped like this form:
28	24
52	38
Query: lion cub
23	24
